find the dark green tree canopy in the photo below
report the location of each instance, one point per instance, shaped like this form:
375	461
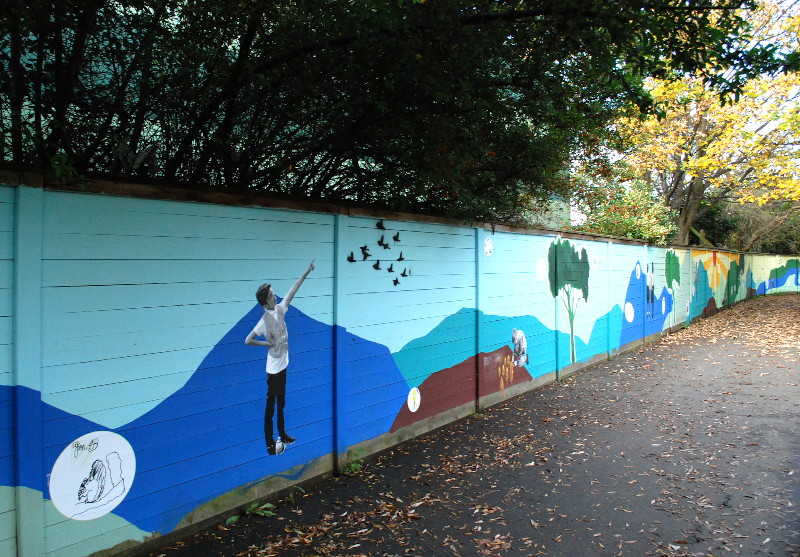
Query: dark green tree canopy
568	269
470	109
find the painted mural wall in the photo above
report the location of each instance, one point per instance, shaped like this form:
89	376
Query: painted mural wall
132	405
8	522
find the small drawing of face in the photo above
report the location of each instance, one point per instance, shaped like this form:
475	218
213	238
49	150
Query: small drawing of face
88	491
92	487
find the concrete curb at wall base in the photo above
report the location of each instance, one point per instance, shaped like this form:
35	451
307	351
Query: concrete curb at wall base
515	390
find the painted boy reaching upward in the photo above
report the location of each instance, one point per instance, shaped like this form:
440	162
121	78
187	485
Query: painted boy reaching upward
272	328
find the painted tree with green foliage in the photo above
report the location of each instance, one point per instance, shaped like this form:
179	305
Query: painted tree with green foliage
569	280
672	272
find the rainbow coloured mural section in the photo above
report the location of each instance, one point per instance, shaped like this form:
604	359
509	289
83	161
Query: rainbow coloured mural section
131	406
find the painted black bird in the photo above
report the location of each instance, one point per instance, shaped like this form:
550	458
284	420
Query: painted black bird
381	242
379	225
396	237
377	265
364	252
396	281
401	258
351	258
391	268
404	274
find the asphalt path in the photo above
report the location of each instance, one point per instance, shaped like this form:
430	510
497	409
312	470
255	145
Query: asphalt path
688	446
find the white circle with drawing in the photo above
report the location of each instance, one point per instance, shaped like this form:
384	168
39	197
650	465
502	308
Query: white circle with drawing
92	475
629	312
638	271
414	399
488	246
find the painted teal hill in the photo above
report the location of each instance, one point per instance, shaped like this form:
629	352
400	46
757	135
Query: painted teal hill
496	333
605	335
453	341
449	343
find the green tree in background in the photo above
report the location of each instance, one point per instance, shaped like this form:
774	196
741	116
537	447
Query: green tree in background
450	107
627	210
702	152
569	280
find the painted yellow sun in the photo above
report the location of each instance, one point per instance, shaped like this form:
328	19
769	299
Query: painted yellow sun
716	265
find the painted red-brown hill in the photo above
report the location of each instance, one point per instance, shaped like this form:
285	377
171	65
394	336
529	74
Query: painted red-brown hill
449	388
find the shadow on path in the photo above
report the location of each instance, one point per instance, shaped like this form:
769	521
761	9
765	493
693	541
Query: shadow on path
690	446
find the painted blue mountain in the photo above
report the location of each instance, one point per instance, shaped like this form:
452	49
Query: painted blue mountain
780	276
207	438
649	312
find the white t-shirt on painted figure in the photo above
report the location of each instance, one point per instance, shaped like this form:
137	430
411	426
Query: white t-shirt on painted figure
272	326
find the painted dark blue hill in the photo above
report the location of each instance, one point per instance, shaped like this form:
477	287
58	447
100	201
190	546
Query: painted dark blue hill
780	276
207	438
648	315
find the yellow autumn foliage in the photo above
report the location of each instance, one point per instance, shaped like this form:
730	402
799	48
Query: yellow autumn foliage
747	149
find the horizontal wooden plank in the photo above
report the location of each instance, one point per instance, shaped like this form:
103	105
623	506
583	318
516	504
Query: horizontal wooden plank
415	267
130	369
8	500
76	299
116	247
134	320
8	546
132	398
6	275
188	271
6	329
361	226
400	305
106	214
63	539
99	347
6	244
419	317
8	521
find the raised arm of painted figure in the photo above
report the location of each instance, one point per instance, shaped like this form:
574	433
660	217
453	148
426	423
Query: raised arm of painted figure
252	338
296	286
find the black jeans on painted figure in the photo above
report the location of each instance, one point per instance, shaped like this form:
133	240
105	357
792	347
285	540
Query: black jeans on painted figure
276	392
